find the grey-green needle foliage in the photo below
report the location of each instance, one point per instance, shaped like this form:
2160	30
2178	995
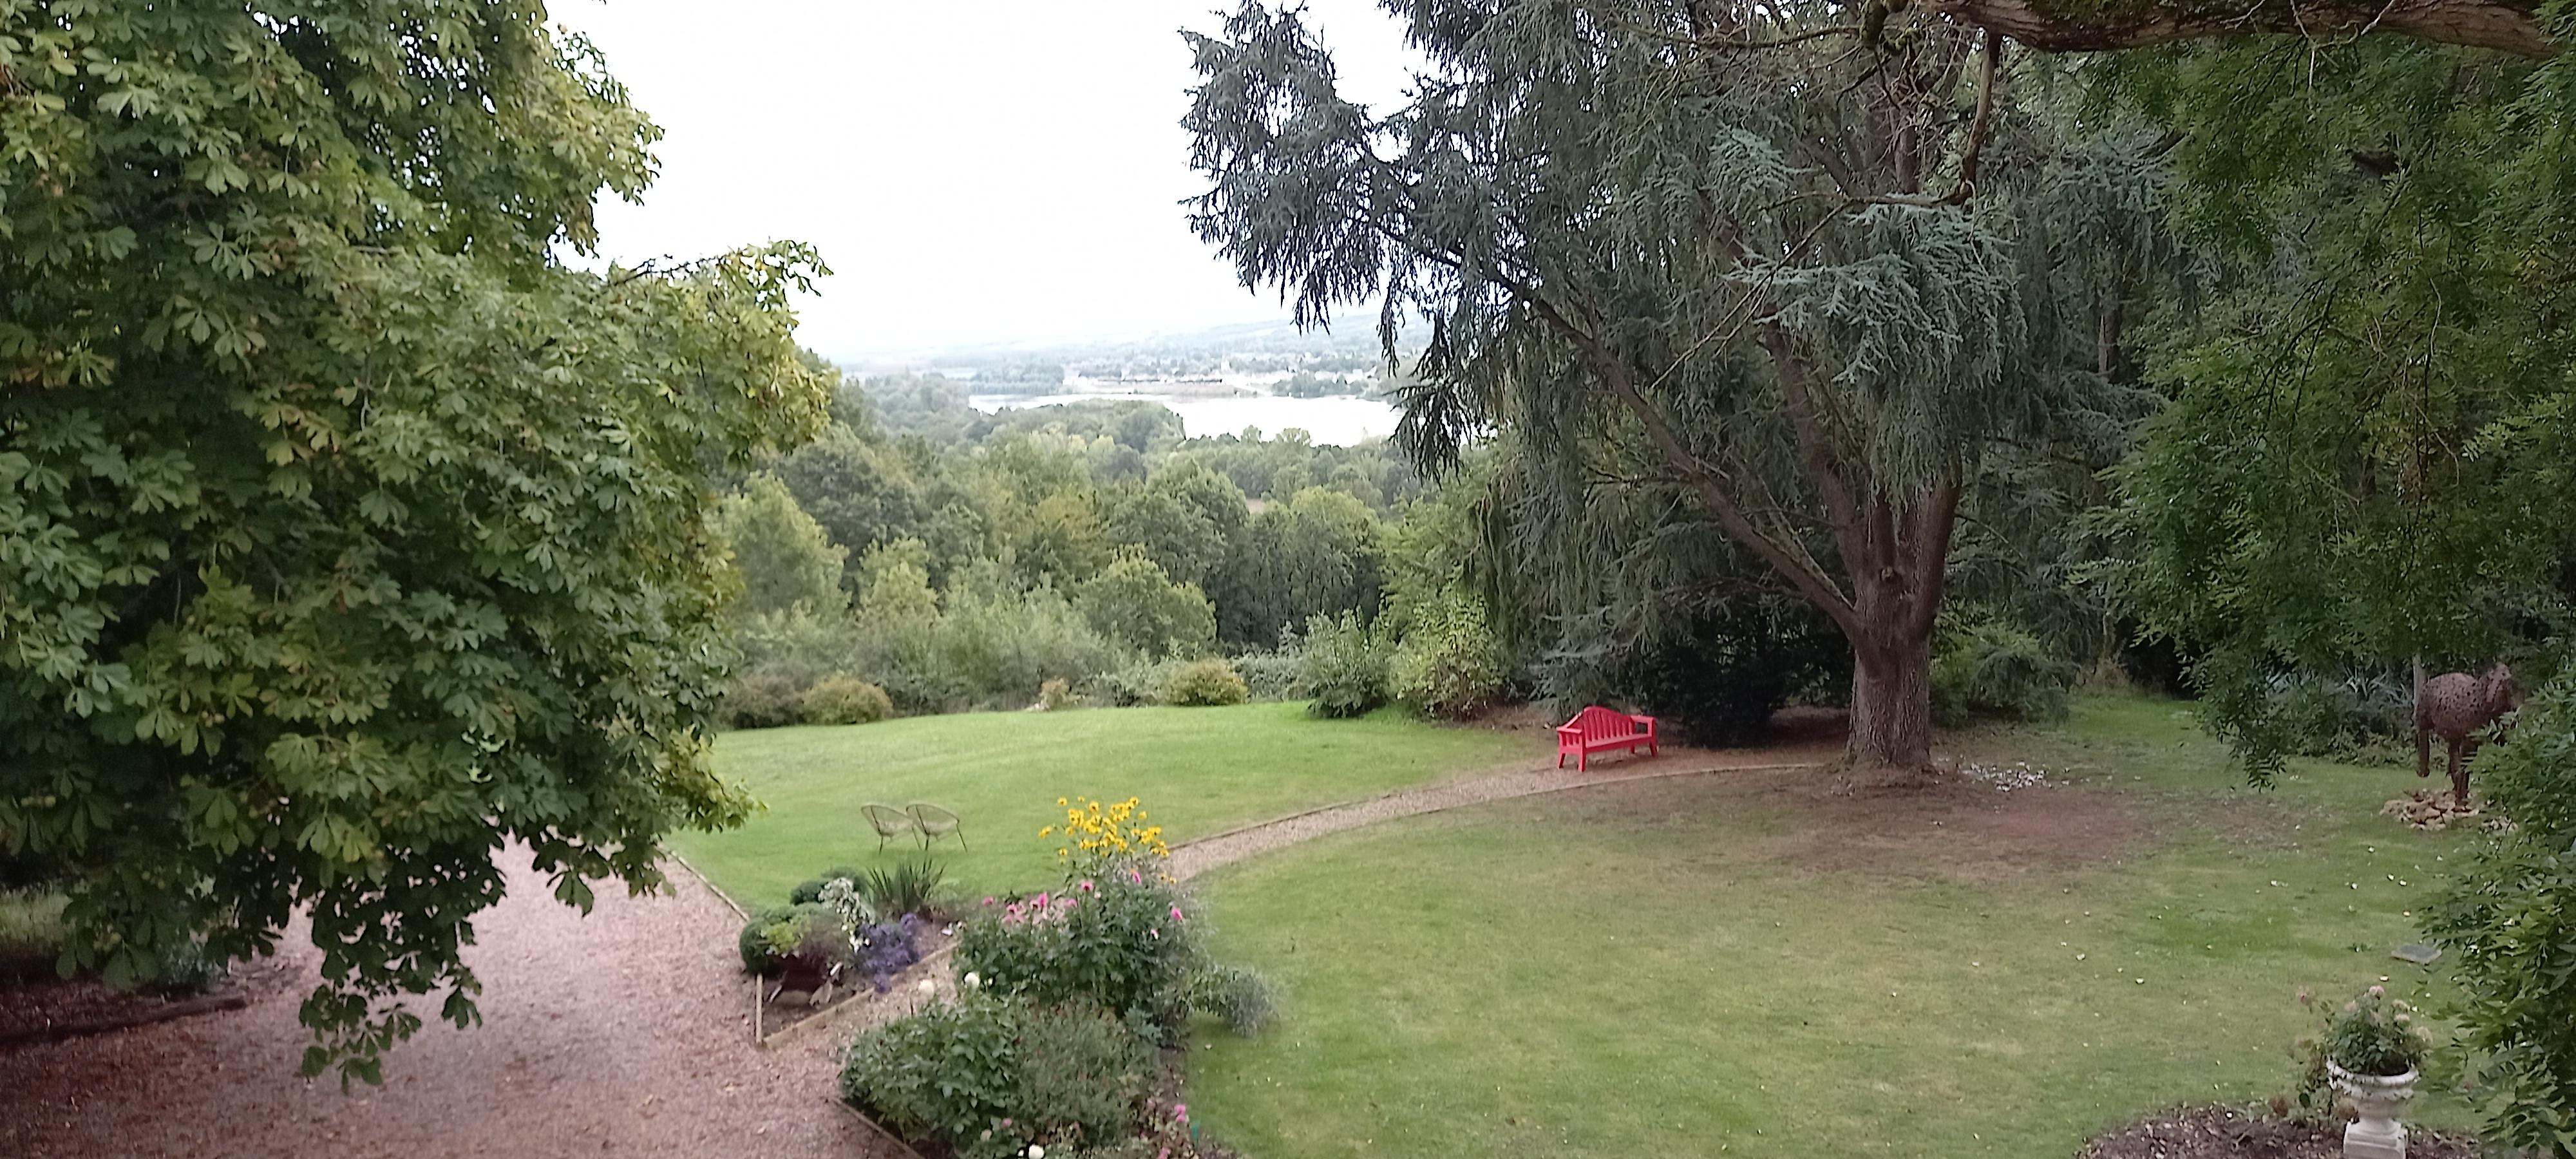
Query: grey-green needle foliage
1809	280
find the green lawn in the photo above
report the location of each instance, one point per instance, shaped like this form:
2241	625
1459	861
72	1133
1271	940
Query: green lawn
1704	966
1198	770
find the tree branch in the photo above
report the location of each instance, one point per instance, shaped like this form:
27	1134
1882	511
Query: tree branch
2501	25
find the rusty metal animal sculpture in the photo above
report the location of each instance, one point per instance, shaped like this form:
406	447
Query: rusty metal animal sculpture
2457	705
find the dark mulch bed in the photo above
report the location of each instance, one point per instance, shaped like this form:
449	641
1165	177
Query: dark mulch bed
46	1008
2234	1133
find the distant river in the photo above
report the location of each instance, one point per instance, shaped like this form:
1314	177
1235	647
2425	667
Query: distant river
1340	421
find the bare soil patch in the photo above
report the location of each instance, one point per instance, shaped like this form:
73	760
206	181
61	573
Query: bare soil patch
1948	828
2229	1133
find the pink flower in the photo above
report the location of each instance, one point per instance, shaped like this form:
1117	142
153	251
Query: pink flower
1180	1112
1042	900
1176	914
1155	933
1137	876
2378	991
1086	885
988	901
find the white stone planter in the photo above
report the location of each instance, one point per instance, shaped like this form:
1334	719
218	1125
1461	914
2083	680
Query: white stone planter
2376	1134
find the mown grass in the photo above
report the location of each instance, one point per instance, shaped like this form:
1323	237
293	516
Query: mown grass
1687	967
1197	771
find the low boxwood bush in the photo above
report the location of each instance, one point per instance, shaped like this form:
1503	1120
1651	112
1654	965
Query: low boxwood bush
757	942
1206	683
1342	666
845	699
990	1074
1122	940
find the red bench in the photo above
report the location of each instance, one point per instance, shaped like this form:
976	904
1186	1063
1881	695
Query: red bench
1597	729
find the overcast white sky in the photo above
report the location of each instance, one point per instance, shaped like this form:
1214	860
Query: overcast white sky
1007	170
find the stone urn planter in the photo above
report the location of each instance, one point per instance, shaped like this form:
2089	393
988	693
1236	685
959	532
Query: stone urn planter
2378	1100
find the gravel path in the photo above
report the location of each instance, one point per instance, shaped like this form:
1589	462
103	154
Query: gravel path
1197	857
624	1033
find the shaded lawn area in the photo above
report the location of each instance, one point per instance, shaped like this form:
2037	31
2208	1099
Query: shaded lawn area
1746	963
1198	771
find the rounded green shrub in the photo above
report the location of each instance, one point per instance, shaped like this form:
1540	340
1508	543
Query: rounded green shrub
841	698
1205	683
757	943
810	890
763	700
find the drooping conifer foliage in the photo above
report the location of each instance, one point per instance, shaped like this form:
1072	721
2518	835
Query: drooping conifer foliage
347	535
1807	277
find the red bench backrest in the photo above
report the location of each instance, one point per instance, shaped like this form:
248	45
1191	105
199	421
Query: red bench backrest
1596	722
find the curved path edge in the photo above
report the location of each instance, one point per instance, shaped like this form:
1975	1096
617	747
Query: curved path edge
1199	855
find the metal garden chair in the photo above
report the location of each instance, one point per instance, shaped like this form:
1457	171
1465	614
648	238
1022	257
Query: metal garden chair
890	822
934	822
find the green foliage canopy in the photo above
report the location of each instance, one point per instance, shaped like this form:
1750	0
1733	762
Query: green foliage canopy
349	536
782	554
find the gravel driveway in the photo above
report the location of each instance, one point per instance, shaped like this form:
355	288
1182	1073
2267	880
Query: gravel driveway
623	1033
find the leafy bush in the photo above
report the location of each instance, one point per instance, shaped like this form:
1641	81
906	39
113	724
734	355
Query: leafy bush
1270	675
1123	940
1081	1075
1988	667
1132	685
753	943
1206	683
1342	666
946	1074
1449	666
810	890
1718	680
989	1074
2375	1035
763	700
845	699
2325	715
757	942
2505	922
1237	995
31	932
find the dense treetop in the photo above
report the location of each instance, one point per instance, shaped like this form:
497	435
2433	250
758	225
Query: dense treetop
348	533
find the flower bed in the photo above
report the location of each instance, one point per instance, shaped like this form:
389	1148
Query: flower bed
1068	1000
846	934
